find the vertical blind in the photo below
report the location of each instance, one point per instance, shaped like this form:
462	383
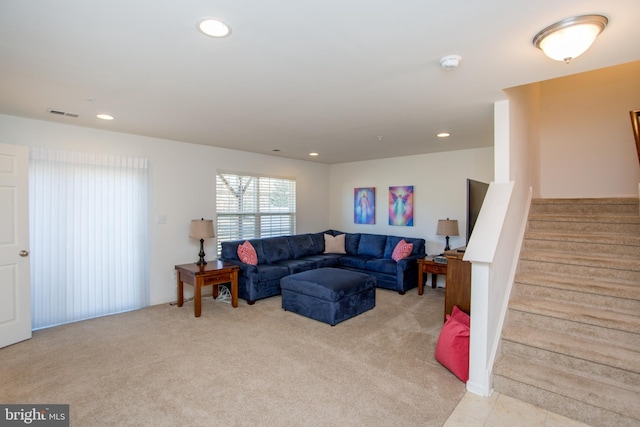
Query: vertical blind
88	235
249	206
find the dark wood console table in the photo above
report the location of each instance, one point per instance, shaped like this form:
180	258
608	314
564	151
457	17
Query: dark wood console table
458	290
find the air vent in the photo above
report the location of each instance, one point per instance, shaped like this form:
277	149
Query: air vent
63	113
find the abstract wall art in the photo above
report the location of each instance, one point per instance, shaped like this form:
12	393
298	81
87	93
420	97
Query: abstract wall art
364	205
401	205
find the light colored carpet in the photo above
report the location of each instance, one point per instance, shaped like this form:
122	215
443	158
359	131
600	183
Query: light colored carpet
253	365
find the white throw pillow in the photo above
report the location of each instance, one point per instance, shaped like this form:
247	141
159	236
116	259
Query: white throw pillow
334	244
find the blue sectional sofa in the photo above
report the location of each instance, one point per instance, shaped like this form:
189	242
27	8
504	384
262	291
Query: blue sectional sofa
281	256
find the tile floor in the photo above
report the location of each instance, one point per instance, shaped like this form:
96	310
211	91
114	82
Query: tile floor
503	411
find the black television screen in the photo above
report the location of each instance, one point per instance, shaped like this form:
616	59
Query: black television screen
476	191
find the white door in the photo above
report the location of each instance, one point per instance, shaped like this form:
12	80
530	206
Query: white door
15	286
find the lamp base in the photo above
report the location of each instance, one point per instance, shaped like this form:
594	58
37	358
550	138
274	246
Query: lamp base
201	261
447	248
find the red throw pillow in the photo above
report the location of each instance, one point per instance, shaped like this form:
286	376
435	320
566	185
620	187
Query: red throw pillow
247	253
402	250
452	350
460	316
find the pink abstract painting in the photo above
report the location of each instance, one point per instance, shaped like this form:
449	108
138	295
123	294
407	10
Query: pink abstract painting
401	205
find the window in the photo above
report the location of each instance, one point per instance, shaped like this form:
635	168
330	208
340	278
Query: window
88	235
249	206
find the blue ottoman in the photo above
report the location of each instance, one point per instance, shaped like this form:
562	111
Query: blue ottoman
330	295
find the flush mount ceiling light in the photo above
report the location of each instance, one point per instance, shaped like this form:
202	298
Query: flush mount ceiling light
313	154
213	27
443	135
104	116
570	37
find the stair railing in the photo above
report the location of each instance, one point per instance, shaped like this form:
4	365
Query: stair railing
635	123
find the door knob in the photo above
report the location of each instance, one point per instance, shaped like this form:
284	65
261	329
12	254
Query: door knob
23	253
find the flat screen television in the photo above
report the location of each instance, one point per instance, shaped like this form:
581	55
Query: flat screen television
476	191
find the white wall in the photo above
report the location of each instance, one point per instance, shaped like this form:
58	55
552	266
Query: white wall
440	191
182	186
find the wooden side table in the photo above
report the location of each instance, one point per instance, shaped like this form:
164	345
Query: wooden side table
213	273
428	265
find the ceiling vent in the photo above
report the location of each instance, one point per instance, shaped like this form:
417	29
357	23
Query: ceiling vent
63	113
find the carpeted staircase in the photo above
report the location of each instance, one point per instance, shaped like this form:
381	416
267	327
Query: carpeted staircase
571	340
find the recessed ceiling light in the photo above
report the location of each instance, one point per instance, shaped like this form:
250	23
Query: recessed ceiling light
443	135
213	27
313	154
104	116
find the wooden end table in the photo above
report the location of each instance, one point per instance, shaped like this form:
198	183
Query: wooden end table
428	265
213	273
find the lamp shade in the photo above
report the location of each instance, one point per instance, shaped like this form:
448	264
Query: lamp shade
447	227
201	228
570	37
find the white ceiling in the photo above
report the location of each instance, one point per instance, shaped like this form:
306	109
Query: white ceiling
331	76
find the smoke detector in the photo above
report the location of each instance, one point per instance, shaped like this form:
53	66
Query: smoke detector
450	62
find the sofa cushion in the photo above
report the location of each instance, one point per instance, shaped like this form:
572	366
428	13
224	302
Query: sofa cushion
301	245
247	253
318	243
382	265
351	243
268	272
372	245
324	260
276	249
229	251
452	349
352	261
402	250
298	265
334	244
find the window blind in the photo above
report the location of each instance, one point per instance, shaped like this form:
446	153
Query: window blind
250	206
88	235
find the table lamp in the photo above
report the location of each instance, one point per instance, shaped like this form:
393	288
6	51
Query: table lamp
447	227
201	229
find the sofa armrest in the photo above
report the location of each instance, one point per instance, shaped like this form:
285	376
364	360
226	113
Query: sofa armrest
405	263
247	270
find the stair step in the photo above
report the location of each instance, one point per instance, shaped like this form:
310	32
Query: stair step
550	357
618	295
616	262
619	206
592	243
618	267
567	394
622	224
615	355
610	319
569	326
